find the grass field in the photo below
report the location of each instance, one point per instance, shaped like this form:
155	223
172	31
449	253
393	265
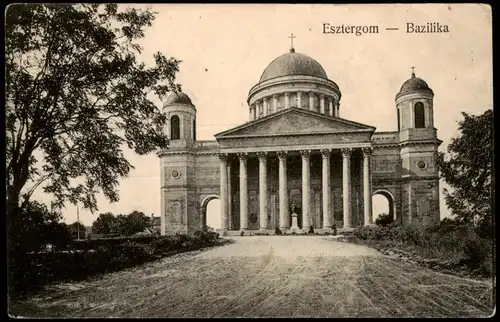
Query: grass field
275	276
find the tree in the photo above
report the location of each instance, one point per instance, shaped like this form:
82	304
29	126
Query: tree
104	224
36	227
467	169
77	230
120	225
136	222
76	94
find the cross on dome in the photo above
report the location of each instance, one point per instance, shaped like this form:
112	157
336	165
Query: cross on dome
412	72
292	50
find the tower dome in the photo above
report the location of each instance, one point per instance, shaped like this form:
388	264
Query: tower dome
413	85
291	64
178	98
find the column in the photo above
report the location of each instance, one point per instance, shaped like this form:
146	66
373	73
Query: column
243	191
330	106
283	190
266	106
322	104
287	100
229	195
311	101
263	189
299	99
431	117
367	186
327	221
254	112
412	116
223	191
275	103
250	114
306	188
346	178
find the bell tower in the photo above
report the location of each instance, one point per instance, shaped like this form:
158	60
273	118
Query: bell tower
177	166
418	151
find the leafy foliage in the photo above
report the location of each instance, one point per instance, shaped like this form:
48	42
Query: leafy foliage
76	230
384	220
468	168
103	224
37	227
121	225
451	239
75	96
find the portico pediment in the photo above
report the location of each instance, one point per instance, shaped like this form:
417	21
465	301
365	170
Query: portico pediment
294	122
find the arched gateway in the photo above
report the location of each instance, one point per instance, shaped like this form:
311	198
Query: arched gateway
297	149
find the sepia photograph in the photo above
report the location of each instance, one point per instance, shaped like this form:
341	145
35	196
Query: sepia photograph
249	160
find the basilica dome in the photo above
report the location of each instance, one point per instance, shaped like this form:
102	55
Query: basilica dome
178	98
414	84
291	64
293	80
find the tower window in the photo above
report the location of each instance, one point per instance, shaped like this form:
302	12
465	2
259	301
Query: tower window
399	121
194	130
419	115
175	131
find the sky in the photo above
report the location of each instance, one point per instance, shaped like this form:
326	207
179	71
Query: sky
224	49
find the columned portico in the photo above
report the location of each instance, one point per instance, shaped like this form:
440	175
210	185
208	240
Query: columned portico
283	191
243	191
325	154
346	183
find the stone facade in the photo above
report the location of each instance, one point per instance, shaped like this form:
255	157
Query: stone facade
297	152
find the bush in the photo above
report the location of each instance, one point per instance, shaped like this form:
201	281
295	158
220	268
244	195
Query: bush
384	220
29	271
136	252
311	230
277	231
449	240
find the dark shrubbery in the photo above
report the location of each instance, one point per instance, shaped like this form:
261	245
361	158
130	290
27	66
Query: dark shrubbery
384	220
88	258
449	240
311	230
277	231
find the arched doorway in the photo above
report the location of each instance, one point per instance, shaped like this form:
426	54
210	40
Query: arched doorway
383	202
210	212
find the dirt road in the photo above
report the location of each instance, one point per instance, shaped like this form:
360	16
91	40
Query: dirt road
270	276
